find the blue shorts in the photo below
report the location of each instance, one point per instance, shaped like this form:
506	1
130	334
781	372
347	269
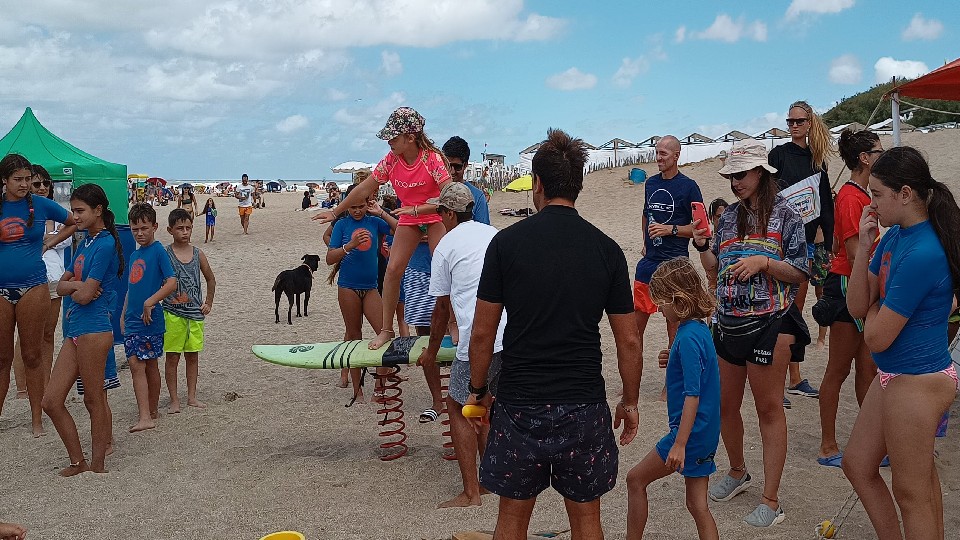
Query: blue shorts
143	347
699	458
530	447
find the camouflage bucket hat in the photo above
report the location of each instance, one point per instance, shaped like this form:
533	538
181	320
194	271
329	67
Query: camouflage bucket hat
402	120
455	196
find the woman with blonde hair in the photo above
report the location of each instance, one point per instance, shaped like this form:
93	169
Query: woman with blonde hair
802	165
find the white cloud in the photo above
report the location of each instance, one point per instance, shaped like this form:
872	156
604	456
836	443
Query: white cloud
630	68
799	7
845	70
572	79
887	67
725	28
680	35
390	64
920	28
292	123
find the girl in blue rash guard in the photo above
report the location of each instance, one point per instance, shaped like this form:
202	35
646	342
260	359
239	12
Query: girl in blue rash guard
905	295
24	296
90	283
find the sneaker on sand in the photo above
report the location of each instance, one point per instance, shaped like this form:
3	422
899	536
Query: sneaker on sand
803	388
786	403
763	516
729	487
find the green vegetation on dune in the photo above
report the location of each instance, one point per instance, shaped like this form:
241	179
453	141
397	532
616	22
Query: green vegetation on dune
858	107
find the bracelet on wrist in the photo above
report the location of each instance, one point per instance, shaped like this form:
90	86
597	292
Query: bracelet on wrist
628	408
344	248
706	246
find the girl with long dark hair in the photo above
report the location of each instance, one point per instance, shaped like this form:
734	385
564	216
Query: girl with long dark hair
91	283
905	292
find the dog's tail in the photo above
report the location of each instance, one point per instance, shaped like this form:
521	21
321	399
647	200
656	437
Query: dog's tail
276	283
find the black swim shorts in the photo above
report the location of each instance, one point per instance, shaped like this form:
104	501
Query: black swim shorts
530	447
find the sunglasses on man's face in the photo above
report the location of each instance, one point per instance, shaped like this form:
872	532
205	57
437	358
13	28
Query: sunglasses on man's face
457	166
45	183
796	121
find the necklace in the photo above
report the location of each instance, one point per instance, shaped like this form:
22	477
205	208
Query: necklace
90	239
858	186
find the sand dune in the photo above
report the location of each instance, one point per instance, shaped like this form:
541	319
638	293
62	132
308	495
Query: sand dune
286	454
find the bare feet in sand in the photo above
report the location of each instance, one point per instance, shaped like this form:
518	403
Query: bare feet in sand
173	407
109	450
143	426
196	403
12	531
38	432
382	339
74	469
461	501
155	414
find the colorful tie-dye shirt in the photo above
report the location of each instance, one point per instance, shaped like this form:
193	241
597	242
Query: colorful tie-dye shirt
762	294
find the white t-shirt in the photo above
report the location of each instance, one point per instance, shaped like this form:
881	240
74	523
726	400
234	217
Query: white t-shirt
53	258
455	272
247	192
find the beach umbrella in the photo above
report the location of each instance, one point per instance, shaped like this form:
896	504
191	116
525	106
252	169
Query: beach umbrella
186	186
314	185
524	183
156	181
352	167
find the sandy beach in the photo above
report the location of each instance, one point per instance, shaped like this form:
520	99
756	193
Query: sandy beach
276	449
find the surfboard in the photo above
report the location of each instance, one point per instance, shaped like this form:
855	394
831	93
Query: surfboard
353	354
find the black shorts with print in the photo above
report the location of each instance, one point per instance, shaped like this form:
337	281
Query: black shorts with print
530	447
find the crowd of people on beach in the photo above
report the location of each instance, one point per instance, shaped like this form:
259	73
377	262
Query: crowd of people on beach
527	401
515	322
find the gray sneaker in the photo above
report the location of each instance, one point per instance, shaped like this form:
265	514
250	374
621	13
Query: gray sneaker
729	487
763	516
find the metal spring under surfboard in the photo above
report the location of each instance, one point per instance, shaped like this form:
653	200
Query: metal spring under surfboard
449	452
392	426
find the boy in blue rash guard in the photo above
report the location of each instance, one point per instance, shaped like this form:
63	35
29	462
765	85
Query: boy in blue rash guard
151	280
90	283
693	400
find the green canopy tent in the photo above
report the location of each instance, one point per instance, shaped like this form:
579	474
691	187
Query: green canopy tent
67	163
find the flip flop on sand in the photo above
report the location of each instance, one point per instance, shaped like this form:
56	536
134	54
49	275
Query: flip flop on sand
428	415
831	461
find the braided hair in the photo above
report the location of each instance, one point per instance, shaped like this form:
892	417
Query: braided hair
10	164
94	196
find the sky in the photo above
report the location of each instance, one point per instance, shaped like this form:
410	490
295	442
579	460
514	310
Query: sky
287	89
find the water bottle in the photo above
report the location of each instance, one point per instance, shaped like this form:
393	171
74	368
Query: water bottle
658	240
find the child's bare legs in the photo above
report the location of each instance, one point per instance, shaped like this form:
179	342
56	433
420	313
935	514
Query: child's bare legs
170	374
650	469
213	231
19	372
699	509
405	241
153	386
64	375
193	373
344	378
138	372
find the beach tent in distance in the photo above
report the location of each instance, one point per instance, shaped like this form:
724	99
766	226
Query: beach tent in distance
941	83
67	163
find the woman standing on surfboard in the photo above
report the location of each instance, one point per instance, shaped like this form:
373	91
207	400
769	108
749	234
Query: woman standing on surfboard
416	169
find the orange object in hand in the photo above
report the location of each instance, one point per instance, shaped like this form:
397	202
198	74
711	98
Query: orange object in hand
474	411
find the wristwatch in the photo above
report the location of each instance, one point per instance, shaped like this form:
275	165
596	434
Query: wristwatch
675	230
479	392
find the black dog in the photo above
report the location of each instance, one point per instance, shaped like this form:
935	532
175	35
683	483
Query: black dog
296	282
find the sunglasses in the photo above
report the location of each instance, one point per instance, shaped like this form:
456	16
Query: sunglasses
457	166
45	183
739	175
796	121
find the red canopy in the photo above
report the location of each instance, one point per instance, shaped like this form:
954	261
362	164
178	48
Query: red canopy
941	83
157	181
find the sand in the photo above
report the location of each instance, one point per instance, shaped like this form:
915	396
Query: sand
286	454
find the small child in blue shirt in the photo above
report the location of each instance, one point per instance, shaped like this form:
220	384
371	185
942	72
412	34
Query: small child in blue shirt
151	280
693	400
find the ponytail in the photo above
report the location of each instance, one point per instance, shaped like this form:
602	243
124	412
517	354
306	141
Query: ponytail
945	218
30	209
109	224
425	143
333	272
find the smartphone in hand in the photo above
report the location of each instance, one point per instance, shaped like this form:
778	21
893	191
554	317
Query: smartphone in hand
700	213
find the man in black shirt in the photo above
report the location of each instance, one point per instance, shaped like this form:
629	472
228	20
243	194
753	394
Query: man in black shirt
555	274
